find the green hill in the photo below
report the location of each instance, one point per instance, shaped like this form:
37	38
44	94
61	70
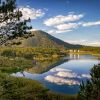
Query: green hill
40	39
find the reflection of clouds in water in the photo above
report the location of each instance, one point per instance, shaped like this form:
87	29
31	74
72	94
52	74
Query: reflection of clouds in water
60	74
18	74
72	75
61	81
85	76
67	74
59	69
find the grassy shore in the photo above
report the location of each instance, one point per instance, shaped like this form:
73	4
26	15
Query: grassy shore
85	53
16	88
13	88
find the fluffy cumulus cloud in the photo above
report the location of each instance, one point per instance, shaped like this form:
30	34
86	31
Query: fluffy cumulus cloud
67	23
61	19
62	76
62	28
62	24
86	24
31	13
67	26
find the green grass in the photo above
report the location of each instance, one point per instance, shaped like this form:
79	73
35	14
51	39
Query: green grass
11	65
20	89
13	88
16	88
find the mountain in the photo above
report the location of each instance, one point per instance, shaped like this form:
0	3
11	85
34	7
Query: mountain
40	38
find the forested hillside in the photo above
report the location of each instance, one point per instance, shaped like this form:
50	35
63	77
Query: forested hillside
40	39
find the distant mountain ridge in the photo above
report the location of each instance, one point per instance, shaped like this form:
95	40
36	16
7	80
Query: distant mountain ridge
40	38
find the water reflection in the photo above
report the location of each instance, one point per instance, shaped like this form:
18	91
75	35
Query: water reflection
74	56
62	75
44	66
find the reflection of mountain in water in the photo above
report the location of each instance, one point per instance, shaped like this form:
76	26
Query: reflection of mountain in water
41	67
63	75
44	66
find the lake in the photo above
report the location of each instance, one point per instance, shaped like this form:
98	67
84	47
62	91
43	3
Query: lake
64	75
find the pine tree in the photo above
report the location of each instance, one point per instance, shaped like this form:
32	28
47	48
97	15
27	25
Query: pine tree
91	89
11	25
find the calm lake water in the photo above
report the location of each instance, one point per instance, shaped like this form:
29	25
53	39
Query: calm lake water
63	76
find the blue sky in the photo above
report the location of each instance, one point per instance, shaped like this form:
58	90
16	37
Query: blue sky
74	21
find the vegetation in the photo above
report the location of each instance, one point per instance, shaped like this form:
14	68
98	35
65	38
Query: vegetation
13	88
16	59
44	66
14	33
11	25
40	39
91	50
91	89
32	53
11	65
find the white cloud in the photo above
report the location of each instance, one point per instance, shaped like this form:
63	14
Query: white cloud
62	28
61	19
62	24
55	31
31	13
67	26
86	24
84	42
59	23
76	41
61	81
62	31
94	43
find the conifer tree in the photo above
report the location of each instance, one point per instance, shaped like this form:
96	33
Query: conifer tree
91	89
11	24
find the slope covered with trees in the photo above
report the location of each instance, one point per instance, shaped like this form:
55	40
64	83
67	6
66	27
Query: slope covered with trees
41	39
91	49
